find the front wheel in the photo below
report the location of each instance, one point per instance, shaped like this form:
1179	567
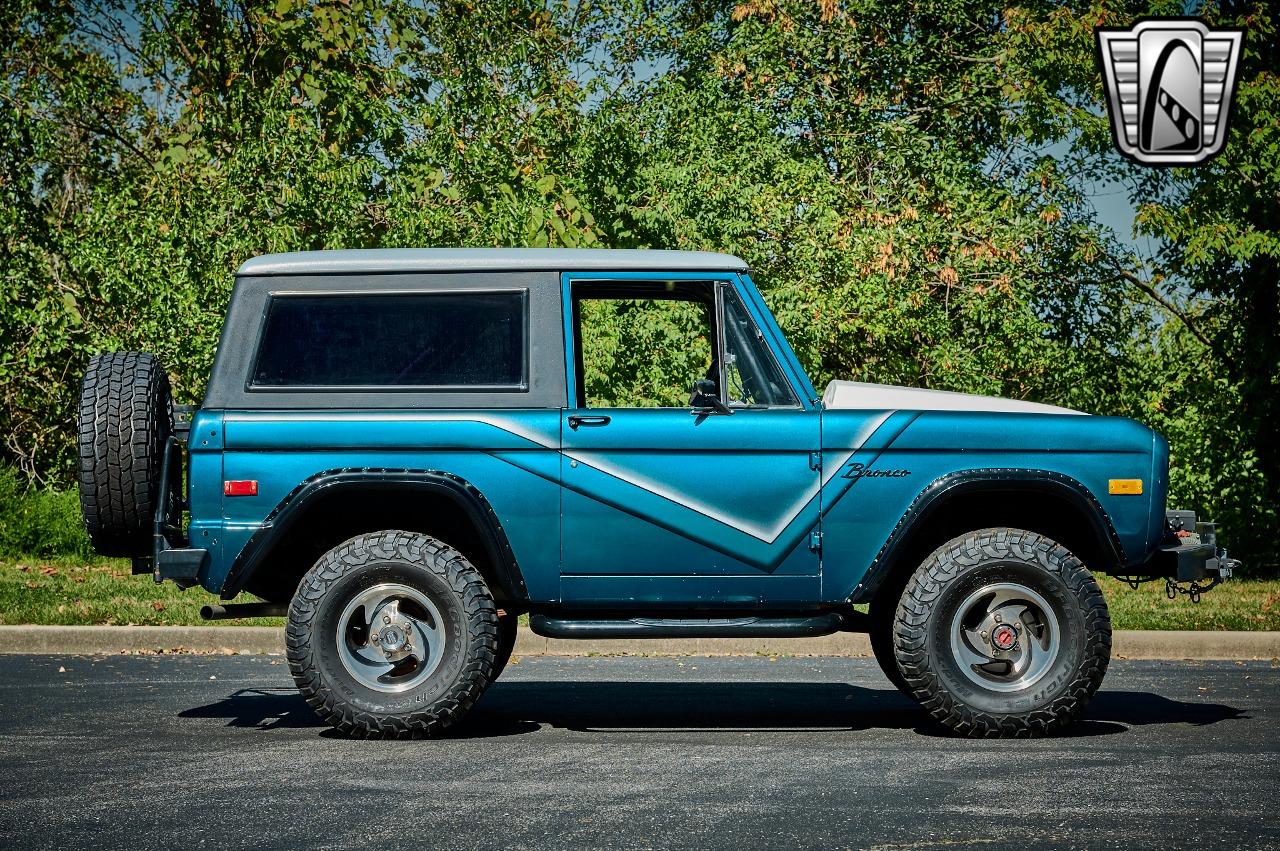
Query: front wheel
881	637
1003	633
392	635
508	629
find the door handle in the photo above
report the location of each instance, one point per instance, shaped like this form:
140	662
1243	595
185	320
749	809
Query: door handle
576	420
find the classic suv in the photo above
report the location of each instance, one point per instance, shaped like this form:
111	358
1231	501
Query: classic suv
405	450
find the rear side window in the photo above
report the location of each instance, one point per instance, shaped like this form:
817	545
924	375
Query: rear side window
454	340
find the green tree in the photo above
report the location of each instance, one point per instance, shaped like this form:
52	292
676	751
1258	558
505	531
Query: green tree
1208	375
910	181
1220	253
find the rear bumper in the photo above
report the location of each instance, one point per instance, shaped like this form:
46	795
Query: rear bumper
172	557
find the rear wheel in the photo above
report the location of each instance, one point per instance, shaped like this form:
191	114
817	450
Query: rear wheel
1003	633
392	635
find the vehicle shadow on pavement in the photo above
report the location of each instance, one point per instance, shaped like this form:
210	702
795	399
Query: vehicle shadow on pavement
260	708
1142	709
738	706
283	708
514	708
1116	711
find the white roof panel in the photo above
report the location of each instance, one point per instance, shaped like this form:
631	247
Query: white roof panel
381	260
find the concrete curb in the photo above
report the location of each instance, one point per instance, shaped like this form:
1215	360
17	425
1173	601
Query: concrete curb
111	640
115	640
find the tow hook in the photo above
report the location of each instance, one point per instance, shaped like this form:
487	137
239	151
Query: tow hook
1222	567
1219	569
1193	590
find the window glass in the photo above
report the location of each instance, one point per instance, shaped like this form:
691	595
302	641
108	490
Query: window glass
645	352
455	339
752	375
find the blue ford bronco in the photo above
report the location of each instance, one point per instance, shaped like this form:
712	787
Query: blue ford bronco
403	451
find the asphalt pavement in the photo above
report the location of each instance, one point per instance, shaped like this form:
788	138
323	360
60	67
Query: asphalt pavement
732	752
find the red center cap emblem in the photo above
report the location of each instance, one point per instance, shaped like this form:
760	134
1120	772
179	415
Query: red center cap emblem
1003	637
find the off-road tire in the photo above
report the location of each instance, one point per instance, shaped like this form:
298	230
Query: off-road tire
433	568
508	627
126	416
922	639
880	634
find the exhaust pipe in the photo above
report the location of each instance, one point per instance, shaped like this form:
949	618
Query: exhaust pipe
243	610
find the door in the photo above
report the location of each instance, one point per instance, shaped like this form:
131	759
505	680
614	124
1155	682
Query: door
674	500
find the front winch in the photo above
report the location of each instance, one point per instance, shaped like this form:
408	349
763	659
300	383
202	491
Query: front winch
1189	560
1220	568
1188	557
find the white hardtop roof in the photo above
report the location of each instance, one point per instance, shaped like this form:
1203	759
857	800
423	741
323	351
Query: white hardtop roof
377	260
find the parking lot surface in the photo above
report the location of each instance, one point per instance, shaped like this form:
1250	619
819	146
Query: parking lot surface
730	752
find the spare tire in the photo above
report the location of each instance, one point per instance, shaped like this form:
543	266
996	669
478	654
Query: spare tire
126	417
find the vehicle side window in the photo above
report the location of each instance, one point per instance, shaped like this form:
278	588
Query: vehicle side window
439	340
752	374
645	344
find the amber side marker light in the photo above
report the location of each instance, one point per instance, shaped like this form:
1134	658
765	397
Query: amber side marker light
1125	486
240	487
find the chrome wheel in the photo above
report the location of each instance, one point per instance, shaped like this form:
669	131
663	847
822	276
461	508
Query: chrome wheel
391	637
1005	637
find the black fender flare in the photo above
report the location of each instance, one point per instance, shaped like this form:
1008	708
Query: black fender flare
293	508
947	487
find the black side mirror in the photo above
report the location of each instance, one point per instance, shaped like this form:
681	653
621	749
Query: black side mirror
704	398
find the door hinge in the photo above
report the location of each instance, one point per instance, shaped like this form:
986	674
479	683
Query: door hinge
815	541
815	460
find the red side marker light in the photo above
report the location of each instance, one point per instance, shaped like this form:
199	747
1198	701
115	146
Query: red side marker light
240	487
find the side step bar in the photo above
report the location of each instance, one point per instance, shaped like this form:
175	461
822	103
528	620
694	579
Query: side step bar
231	611
802	626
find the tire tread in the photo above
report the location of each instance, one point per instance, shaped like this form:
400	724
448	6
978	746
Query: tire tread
481	641
124	419
945	566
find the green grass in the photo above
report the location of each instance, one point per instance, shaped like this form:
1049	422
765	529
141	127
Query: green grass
71	590
67	590
1245	604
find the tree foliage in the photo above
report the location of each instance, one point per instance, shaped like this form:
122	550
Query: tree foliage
910	182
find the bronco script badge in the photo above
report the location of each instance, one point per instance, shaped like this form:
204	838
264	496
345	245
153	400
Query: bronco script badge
862	471
1168	83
